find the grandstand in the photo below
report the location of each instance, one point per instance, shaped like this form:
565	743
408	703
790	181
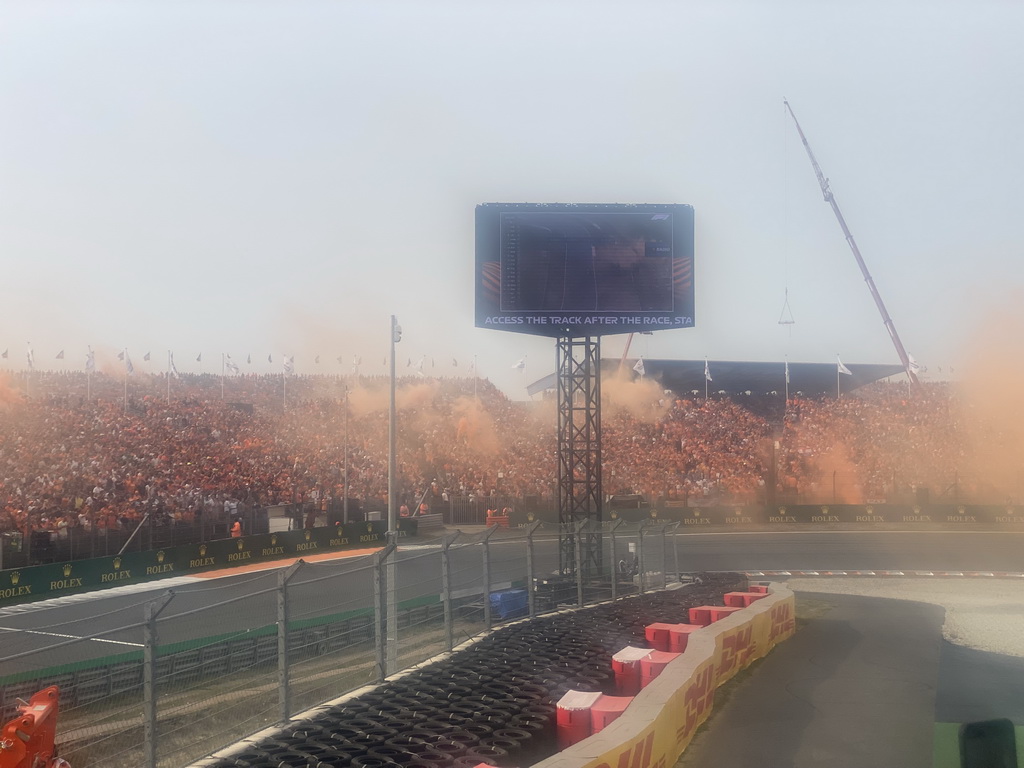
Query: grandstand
733	377
73	464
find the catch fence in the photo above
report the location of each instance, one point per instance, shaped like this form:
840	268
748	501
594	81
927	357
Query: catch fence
160	679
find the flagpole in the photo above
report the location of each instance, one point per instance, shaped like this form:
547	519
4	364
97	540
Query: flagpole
787	383
705	378
221	375
168	376
126	379
475	377
837	379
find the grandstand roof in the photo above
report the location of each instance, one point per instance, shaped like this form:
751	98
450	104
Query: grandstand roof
733	377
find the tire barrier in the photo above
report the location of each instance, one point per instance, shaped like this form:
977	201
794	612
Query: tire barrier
493	702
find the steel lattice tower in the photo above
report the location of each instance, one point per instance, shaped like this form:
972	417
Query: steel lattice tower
579	451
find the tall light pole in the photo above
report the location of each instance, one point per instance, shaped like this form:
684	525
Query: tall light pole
344	508
396	336
391	652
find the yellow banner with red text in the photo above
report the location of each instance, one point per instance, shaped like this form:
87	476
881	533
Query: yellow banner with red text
660	722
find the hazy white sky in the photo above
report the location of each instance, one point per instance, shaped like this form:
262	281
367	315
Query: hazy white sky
279	177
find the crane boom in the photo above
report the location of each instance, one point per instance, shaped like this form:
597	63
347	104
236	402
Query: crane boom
831	200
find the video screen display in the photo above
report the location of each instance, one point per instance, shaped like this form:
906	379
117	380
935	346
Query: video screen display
584	270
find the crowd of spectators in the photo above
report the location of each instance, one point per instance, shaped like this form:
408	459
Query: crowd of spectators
879	443
86	452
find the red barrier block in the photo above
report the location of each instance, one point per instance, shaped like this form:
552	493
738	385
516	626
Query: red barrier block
626	666
607	709
653	665
679	636
707	614
759	588
742	599
658	635
573	716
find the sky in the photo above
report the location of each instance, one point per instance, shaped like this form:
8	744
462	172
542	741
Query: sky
279	177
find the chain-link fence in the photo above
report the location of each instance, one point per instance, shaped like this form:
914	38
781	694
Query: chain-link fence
164	678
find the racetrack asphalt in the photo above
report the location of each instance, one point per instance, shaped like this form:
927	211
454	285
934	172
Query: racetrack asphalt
854	687
36	626
865	681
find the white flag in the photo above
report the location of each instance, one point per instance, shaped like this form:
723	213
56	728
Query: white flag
520	365
639	367
707	372
128	367
914	367
289	365
173	367
843	368
30	356
232	368
90	361
787	371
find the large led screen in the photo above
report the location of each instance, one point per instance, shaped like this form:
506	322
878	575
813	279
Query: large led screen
584	270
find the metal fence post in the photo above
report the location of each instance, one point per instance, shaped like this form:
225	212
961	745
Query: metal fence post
640	557
391	600
283	690
380	609
446	589
674	528
615	562
664	557
577	541
531	575
486	541
149	693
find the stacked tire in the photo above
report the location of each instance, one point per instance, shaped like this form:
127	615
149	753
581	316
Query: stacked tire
493	702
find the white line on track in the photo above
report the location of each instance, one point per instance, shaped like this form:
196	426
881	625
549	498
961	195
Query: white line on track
71	637
830	533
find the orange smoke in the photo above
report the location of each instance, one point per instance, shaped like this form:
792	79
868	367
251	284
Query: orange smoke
9	395
835	475
989	404
638	398
370	398
475	427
